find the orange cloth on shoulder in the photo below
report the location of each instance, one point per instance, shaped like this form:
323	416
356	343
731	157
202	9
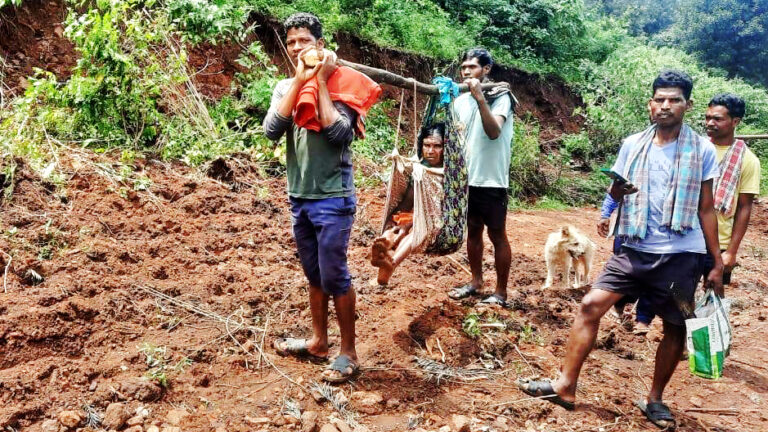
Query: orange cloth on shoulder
346	85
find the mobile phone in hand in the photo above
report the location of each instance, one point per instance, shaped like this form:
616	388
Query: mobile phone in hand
614	175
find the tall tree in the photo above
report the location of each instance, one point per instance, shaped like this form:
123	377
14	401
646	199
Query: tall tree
730	34
647	17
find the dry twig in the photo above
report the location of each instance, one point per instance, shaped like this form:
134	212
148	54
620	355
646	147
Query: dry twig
440	371
458	264
5	273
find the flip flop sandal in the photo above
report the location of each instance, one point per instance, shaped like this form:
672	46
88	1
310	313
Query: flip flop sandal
296	348
658	414
543	389
460	292
493	299
342	364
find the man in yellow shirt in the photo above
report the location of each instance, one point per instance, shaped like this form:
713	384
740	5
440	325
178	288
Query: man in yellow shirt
739	179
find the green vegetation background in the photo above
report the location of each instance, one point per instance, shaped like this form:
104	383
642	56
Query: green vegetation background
131	90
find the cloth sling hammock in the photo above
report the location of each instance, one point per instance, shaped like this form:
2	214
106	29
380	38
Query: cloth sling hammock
439	194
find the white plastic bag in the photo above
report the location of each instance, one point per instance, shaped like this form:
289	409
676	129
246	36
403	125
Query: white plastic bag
708	336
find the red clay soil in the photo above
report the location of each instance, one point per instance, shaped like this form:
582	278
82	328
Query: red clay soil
94	266
32	36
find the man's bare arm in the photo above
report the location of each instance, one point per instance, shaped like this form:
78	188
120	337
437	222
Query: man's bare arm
740	224
492	124
708	220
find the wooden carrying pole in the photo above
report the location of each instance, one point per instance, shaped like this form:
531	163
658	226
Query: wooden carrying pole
749	137
385	77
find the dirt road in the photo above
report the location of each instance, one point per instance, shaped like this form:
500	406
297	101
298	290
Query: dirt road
159	303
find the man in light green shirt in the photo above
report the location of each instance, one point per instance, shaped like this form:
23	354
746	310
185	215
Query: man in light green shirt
486	121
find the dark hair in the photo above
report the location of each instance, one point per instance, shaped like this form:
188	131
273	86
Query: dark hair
735	105
428	131
305	20
481	54
674	78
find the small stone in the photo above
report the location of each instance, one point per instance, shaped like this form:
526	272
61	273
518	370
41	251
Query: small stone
142	390
257	420
340	425
460	423
135	420
153	428
696	401
368	402
444	429
289	419
115	416
50	425
309	421
500	424
393	403
58	31
319	398
328	428
70	419
135	428
175	416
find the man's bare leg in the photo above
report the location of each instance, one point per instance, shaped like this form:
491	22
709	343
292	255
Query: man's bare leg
502	258
318	307
581	339
345	313
667	358
475	229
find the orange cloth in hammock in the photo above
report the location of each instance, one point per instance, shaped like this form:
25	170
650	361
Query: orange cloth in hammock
403	218
346	85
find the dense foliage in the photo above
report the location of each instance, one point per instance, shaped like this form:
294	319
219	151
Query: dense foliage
728	34
4	3
132	90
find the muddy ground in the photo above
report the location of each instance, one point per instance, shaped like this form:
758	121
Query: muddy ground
161	301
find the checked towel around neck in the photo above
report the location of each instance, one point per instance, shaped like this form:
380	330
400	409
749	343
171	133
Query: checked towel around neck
728	182
681	203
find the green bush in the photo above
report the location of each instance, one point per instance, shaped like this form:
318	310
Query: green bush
211	21
525	177
4	3
617	91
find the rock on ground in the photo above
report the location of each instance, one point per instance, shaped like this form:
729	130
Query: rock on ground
309	421
115	416
368	402
70	419
460	423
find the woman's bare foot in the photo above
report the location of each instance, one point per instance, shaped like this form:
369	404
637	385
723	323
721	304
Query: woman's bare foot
385	271
380	252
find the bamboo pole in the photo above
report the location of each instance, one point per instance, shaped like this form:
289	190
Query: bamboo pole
385	77
746	137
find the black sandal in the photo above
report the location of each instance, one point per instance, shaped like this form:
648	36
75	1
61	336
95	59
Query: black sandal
345	367
543	389
461	292
296	348
658	414
494	299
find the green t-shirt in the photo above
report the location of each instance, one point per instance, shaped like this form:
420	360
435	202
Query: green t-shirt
319	164
487	160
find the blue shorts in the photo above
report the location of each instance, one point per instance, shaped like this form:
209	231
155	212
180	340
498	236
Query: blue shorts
321	228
